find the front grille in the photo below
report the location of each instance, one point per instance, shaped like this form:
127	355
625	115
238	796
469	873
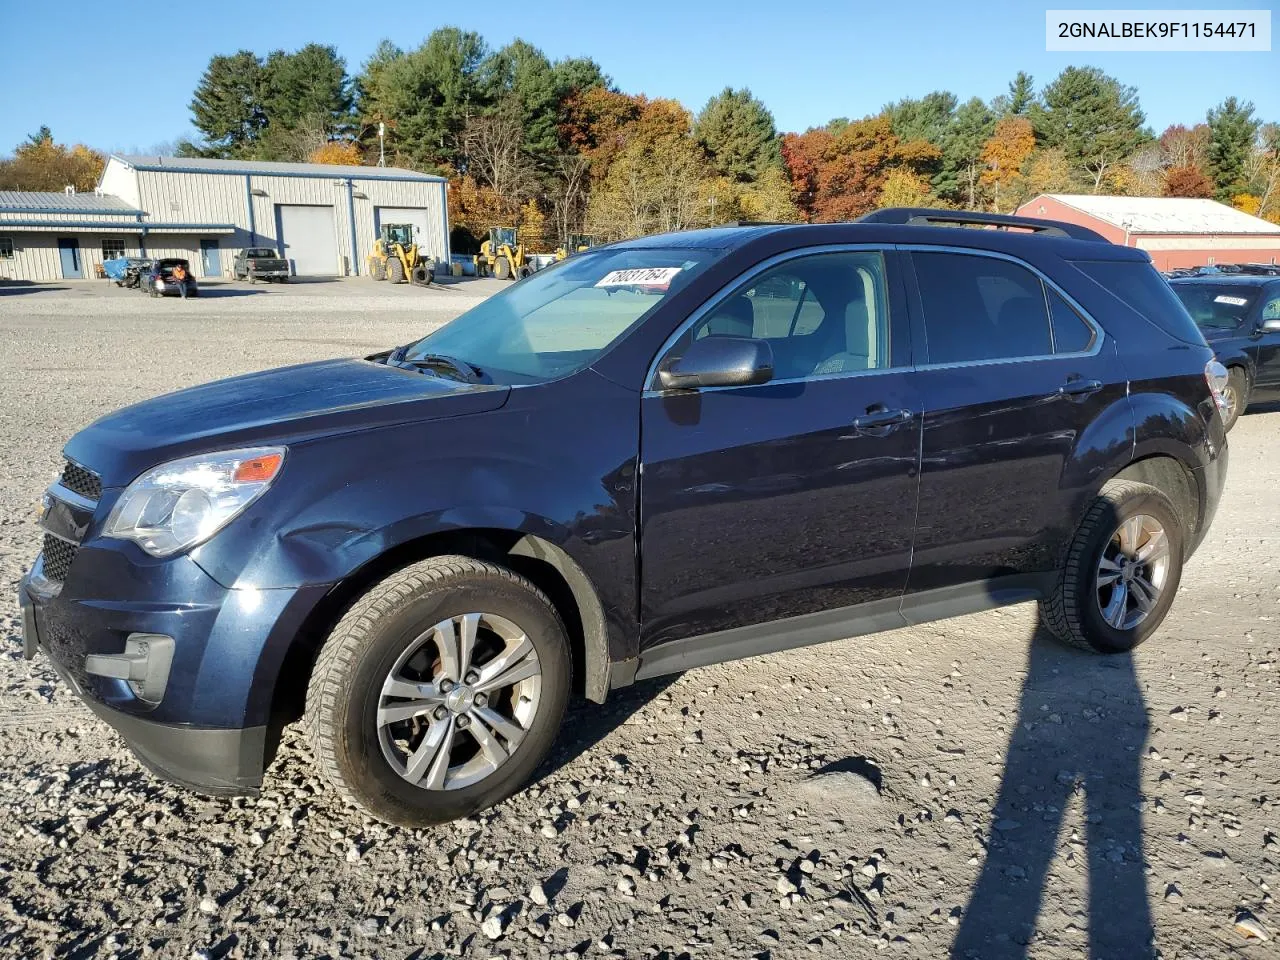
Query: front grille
79	480
58	554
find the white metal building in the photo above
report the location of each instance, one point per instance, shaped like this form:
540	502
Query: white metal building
322	218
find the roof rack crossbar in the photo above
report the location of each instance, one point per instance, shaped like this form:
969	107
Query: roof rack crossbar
924	216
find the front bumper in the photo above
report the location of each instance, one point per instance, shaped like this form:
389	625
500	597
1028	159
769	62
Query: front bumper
219	654
209	760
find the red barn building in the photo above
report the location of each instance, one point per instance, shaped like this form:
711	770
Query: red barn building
1176	231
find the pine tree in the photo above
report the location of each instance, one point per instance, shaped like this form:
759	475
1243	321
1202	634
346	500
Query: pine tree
1232	132
738	133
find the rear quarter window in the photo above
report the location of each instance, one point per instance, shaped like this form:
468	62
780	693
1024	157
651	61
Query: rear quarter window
1142	289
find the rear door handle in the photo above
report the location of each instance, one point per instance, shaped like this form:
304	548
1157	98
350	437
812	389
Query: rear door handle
1079	388
882	418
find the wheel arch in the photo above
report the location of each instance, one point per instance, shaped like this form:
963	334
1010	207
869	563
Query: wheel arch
545	564
1171	475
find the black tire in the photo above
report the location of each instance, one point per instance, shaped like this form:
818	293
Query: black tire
395	270
344	693
422	275
525	271
1073	612
377	269
1237	396
502	269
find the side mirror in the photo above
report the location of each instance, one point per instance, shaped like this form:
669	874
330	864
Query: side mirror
719	362
1271	326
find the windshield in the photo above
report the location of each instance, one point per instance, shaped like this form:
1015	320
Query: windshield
1216	306
562	318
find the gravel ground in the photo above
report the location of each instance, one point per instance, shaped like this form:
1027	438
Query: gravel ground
958	787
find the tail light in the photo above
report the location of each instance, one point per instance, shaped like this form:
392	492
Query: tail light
1216	376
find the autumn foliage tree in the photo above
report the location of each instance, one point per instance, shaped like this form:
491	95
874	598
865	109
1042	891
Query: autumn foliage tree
841	177
43	165
337	152
1187	181
1004	154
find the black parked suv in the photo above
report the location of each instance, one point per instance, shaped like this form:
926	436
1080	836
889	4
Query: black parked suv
655	455
1239	315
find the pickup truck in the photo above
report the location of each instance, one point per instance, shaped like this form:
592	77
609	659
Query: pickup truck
260	263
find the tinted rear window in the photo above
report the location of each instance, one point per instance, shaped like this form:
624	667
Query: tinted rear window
981	308
1139	286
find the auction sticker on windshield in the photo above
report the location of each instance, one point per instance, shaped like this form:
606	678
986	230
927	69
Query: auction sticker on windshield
643	276
1233	301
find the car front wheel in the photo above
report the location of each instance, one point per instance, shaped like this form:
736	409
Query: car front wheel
439	692
1122	570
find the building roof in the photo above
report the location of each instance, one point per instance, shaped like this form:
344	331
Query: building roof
1165	214
270	168
22	201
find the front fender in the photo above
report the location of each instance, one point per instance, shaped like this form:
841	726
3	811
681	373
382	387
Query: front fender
559	469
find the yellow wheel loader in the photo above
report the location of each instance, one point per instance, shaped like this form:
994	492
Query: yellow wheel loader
500	256
396	257
576	243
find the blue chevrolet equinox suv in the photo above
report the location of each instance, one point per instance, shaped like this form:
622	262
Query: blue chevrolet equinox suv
664	453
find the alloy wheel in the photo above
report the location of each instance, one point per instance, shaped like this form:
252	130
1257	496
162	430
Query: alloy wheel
458	701
1231	400
1132	572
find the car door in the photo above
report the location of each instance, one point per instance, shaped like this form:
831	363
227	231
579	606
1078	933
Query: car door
1267	347
1014	376
798	495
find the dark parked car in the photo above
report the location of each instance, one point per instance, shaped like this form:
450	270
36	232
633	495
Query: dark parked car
260	263
1240	317
655	455
158	279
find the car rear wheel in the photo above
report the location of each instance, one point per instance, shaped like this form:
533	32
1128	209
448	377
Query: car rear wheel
1235	395
440	691
1122	570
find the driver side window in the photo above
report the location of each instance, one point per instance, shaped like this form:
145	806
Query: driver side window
824	314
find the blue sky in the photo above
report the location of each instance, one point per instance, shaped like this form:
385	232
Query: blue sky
121	80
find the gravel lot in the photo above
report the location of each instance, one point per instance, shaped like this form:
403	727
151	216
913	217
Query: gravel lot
717	814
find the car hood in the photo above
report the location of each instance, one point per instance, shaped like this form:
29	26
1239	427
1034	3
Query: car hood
285	405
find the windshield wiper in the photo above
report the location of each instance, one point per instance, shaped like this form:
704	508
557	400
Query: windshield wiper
436	362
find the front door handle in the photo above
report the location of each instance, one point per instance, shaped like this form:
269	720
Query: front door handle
1079	388
878	418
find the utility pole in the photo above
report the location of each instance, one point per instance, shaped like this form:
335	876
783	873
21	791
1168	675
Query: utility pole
382	144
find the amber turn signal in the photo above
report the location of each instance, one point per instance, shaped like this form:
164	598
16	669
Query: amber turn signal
259	469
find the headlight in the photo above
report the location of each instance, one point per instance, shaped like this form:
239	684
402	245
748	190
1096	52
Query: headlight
185	502
159	284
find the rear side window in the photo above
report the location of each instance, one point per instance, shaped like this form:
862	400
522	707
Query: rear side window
981	308
1145	291
1070	332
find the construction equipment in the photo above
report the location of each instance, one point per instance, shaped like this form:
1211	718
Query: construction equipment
500	256
396	257
576	243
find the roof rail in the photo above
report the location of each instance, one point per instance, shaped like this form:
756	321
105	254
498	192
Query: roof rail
924	216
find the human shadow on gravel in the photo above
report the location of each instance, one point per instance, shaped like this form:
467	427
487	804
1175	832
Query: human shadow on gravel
1081	728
